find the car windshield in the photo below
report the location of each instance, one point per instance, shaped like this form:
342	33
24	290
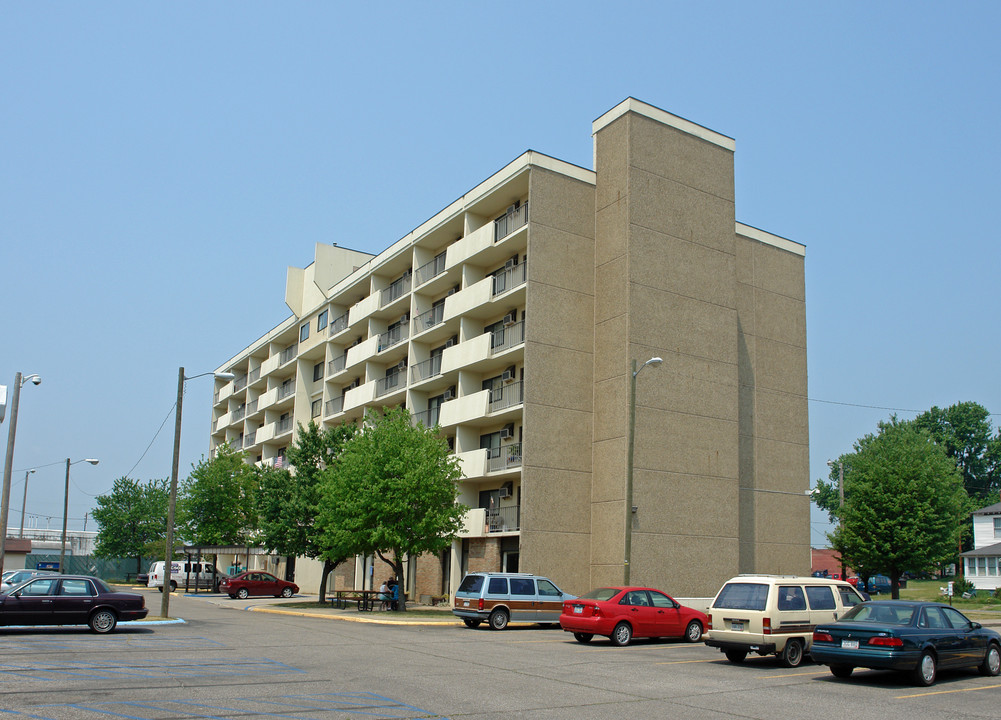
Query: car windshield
601	594
881	614
471	584
742	596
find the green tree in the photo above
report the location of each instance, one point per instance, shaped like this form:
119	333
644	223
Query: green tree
904	503
131	519
288	502
965	433
392	492
216	506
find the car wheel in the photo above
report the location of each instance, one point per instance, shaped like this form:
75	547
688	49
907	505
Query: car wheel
103	621
583	638
841	671
792	654
499	619
160	588
693	633
286	592
173	586
924	674
242	593
736	656
622	634
991	665
471	622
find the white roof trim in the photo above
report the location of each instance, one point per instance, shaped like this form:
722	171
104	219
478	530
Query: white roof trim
769	239
662	116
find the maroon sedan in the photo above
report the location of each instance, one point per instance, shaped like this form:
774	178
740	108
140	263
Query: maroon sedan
256	582
622	613
70	600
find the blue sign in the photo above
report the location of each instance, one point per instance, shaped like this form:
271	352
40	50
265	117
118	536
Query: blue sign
47	566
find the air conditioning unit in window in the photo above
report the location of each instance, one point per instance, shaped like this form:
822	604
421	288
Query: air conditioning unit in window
452	291
510	264
404	317
452	341
503	493
507	431
508	375
402	365
511	318
448	394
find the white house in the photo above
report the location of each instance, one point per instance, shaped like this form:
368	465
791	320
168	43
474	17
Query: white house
982	564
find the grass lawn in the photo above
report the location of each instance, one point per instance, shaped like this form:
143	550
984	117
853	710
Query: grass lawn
445	612
984	604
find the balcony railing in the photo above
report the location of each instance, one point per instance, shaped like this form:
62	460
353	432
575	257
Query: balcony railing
504	458
283	426
427	369
428	418
255	374
285	390
252	406
506	519
395	291
238	414
388	384
431	270
506	396
338	324
394	337
510	278
249	439
507	337
429	319
337	364
333	406
510	221
240	383
288	354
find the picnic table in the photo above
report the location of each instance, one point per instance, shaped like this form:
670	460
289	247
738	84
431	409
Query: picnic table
366	599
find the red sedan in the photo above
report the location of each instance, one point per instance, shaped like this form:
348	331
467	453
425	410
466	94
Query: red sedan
622	613
256	582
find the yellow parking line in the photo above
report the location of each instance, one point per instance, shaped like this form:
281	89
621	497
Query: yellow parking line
946	692
683	662
779	677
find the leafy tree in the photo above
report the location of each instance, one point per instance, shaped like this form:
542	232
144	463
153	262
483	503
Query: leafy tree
964	431
131	519
904	503
392	492
288	502
216	506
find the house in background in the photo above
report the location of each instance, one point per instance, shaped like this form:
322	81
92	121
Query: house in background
982	564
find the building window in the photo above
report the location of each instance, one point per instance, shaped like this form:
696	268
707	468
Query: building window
321	321
318	371
315	409
304	332
491	443
997	527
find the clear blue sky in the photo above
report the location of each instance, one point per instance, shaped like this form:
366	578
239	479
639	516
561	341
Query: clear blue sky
161	165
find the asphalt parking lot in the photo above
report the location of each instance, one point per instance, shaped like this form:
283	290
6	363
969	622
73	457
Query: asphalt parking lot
229	659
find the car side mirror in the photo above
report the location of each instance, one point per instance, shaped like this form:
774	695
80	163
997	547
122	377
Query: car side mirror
975	626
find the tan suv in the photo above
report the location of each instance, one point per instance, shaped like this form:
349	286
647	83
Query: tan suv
774	614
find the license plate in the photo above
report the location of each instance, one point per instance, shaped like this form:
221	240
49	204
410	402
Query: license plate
465	603
578	609
849	644
737	626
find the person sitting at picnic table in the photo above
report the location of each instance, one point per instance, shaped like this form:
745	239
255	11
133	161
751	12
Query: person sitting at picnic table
384	595
395	603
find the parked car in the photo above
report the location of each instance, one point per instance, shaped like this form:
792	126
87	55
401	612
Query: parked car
70	600
500	598
914	637
184	574
878	584
13	578
257	582
775	614
622	613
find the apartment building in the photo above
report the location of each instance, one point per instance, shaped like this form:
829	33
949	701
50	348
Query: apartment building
511	320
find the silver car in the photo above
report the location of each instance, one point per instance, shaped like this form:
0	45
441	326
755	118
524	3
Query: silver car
13	578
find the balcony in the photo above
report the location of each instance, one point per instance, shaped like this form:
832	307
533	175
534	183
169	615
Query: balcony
238	414
338	324
285	390
249	439
333	406
427	320
284	426
395	291
386	385
252	406
425	370
428	418
288	354
506	396
393	337
430	270
504	519
503	458
507	337
255	375
510	278
240	383
514	218
337	365
464	409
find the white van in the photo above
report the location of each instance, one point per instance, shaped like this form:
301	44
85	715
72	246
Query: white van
185	574
774	614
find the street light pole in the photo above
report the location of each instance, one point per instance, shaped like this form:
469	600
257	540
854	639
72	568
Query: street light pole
629	464
8	465
24	501
66	511
172	501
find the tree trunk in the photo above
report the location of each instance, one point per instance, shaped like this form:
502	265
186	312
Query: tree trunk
328	567
894	584
290	568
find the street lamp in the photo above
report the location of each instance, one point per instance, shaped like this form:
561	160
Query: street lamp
841	499
66	509
629	464
172	503
24	502
8	464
